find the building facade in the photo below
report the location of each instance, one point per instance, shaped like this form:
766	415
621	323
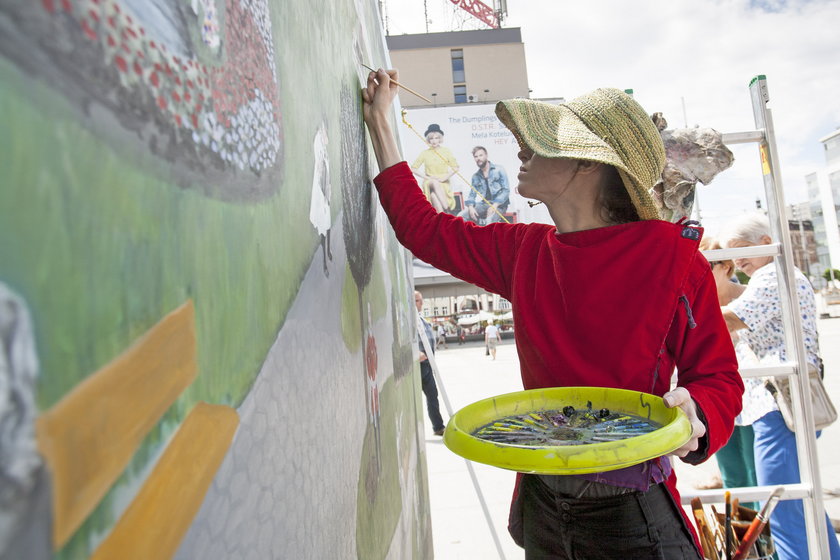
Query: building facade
823	188
461	66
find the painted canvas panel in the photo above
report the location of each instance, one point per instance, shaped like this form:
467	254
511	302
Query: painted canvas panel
206	323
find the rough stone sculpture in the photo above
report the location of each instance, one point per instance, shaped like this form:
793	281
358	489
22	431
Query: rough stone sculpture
692	155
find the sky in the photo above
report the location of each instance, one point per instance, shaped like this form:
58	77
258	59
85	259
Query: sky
691	60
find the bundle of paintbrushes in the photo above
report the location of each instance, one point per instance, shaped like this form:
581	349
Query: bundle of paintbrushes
565	427
737	533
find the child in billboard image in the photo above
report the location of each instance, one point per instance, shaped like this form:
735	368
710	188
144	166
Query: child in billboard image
608	295
439	165
491	182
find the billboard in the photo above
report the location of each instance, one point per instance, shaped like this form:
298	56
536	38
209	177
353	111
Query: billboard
464	137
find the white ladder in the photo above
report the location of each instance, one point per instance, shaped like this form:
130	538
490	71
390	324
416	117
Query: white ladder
809	490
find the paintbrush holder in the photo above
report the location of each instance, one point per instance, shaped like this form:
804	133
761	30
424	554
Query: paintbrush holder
763	548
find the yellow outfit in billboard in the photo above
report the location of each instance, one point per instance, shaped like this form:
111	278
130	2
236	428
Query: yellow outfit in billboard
435	166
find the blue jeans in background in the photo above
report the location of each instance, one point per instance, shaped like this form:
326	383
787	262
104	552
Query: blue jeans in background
776	462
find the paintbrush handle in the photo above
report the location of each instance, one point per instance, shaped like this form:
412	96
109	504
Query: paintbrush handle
758	524
727	530
754	530
727	527
406	88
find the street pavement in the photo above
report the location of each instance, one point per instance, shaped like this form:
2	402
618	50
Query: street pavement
459	527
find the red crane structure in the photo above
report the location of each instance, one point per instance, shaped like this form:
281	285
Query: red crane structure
482	11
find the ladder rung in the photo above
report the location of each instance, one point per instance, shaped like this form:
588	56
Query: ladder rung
771	250
753	494
781	370
743	137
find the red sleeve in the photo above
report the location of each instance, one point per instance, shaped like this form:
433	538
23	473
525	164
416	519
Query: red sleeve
480	255
706	361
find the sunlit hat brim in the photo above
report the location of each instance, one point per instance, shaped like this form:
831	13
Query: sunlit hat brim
557	131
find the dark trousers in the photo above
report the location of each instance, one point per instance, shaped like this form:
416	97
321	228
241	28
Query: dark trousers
637	525
736	460
427	379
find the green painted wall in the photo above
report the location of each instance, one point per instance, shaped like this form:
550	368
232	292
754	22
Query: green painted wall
164	152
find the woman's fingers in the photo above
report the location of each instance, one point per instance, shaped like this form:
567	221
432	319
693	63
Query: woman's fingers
682	398
371	87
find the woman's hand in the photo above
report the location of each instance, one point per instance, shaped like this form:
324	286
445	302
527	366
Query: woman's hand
682	398
378	98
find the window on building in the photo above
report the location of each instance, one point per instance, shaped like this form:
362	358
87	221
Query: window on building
832	149
444	310
458	66
460	94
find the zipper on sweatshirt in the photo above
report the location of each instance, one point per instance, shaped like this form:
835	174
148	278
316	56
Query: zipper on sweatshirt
656	369
688	313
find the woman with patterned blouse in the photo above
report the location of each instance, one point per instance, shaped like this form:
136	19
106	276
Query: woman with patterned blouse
756	316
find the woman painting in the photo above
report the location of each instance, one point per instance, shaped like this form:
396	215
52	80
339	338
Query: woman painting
607	296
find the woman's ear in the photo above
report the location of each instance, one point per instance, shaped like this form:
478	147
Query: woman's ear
588	166
765	240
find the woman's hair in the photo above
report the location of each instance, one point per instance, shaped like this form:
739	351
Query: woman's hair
749	228
711	244
618	208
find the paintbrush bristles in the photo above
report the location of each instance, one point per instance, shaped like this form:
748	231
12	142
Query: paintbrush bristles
406	88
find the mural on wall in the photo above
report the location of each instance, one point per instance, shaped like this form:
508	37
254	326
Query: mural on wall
206	322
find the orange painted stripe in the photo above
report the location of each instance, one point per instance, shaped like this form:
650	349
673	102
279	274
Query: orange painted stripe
163	510
89	437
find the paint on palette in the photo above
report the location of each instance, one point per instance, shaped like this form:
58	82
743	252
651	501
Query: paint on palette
565	427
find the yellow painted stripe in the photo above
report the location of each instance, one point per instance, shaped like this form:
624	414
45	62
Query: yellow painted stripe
89	436
158	518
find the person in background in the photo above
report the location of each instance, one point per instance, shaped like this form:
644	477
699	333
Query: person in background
491	182
736	459
491	338
592	162
441	336
756	317
439	165
427	377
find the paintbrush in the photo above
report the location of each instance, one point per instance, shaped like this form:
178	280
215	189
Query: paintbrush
406	88
758	524
720	538
727	527
704	531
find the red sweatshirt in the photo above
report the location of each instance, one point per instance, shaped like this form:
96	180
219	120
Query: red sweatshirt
618	306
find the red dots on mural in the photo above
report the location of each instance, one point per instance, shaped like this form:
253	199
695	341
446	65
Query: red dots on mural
121	63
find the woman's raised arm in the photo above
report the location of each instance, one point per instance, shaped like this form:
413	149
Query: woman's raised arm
378	99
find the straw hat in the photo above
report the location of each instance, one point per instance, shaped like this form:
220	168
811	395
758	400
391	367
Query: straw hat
606	125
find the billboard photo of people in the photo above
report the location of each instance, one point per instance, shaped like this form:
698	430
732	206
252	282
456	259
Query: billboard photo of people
438	166
490	184
466	163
